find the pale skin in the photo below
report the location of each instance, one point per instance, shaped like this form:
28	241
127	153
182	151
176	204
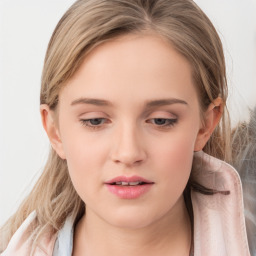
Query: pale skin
147	123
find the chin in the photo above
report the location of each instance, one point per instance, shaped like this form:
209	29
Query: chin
132	218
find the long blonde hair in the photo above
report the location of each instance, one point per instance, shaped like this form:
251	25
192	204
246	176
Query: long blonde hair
89	23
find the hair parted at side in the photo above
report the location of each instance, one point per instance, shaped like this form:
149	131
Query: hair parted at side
89	23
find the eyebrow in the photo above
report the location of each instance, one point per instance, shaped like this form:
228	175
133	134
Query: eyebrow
91	101
148	104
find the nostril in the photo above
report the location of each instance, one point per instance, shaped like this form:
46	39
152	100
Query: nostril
128	161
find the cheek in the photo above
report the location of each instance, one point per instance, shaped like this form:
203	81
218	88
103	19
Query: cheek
173	158
87	156
81	166
82	149
84	157
177	148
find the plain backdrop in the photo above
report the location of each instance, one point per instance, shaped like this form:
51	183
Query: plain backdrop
25	29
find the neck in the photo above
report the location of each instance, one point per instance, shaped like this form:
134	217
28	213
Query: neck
171	235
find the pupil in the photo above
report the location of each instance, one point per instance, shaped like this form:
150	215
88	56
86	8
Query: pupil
95	121
160	121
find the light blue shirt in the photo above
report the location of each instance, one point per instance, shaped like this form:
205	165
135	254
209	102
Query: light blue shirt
64	242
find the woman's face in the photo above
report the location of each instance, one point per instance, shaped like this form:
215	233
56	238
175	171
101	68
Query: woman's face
128	124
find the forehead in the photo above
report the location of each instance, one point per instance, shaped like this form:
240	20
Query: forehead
145	66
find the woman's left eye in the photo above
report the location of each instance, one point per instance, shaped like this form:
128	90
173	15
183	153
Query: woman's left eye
163	122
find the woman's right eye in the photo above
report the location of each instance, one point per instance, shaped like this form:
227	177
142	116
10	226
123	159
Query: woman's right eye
93	123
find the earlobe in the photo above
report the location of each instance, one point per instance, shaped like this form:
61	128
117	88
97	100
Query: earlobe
50	127
212	117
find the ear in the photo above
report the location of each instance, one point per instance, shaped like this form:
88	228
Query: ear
51	128
212	117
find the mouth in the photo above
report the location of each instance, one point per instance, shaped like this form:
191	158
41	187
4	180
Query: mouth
129	187
129	181
124	183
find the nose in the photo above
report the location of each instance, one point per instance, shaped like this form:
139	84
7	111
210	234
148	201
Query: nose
128	147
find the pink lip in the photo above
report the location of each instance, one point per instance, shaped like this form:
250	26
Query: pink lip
129	192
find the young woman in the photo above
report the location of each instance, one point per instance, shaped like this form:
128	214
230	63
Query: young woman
133	100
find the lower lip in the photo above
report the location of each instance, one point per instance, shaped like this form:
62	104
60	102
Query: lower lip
129	192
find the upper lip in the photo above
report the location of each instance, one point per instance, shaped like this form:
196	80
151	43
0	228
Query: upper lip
128	179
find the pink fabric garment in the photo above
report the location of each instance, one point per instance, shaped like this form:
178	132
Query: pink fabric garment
219	225
21	244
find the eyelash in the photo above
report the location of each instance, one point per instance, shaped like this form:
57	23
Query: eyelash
170	122
87	122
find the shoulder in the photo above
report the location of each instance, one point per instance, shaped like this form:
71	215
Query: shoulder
21	242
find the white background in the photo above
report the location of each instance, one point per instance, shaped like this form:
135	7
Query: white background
25	29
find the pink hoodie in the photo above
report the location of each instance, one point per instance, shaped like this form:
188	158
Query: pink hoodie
219	224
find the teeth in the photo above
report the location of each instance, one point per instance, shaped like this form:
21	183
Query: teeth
134	183
124	183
